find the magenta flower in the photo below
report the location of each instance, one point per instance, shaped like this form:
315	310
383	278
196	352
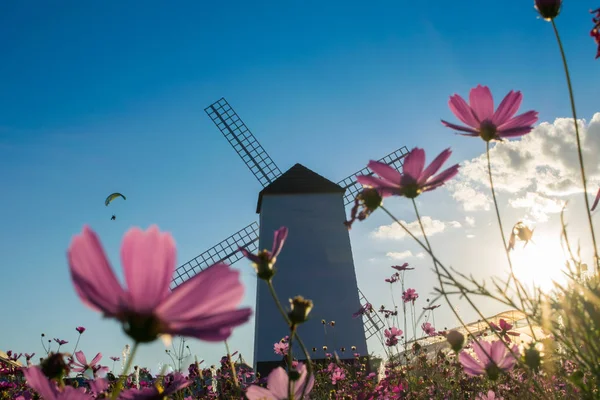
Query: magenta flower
82	366
481	120
80	329
281	348
392	335
277	386
337	375
428	329
403	267
115	359
414	179
504	329
48	390
264	261
393	279
410	295
177	383
367	308
489	396
203	307
60	341
501	359
595	32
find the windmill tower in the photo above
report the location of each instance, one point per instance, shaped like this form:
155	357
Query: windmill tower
316	261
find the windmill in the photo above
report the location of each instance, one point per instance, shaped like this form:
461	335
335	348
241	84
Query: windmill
313	209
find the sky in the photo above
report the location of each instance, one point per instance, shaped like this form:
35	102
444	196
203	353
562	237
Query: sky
98	98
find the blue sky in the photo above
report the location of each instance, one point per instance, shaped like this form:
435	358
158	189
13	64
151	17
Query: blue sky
110	97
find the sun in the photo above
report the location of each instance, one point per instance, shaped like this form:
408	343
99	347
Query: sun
540	262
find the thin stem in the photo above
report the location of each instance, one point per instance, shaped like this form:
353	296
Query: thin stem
506	250
290	361
76	344
309	366
579	151
119	385
232	365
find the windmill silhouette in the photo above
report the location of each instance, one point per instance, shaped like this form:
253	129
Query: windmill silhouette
317	259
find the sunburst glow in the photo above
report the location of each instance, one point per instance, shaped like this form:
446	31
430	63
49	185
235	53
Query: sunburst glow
540	262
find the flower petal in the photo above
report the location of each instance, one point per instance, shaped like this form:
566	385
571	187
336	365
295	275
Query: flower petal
596	200
278	240
497	352
462	111
211	328
387	173
217	288
81	358
470	366
441	178
38	382
93	278
376	183
414	164
482	103
255	392
252	257
435	166
96	360
523	120
277	383
148	260
483	350
507	108
472	131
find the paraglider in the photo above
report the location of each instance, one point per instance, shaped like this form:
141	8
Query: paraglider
522	232
112	197
109	199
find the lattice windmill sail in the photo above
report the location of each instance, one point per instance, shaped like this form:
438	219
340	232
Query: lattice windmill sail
312	207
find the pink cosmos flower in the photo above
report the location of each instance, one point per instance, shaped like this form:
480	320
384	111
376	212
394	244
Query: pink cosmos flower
501	359
428	329
410	295
403	267
264	261
203	307
504	329
82	366
367	308
48	390
481	120
489	396
392	335
281	348
80	329
338	375
595	32
177	383
277	386
115	359
60	341
414	179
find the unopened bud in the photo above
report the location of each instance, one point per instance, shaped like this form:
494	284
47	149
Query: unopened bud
533	358
456	340
294	375
299	309
548	9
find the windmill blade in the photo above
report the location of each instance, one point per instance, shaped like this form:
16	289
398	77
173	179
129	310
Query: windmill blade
243	141
372	321
225	251
394	160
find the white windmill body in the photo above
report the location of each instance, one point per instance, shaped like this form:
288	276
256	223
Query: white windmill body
316	263
317	258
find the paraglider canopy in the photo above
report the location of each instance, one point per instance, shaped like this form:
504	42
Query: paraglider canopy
112	197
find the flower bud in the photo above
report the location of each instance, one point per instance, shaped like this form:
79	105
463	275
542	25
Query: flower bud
55	367
548	9
456	340
299	309
294	375
533	358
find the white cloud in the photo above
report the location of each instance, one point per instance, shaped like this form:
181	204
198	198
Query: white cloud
431	226
394	255
470	236
470	221
420	255
538	168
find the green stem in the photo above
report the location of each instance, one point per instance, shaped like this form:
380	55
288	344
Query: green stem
119	385
309	366
579	151
76	344
506	250
290	361
232	365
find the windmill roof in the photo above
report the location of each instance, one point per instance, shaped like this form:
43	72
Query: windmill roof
297	180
